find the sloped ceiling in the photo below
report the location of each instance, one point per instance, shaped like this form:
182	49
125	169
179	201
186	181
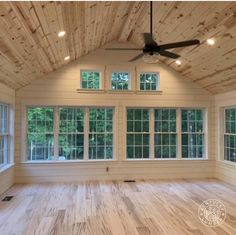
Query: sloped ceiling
30	47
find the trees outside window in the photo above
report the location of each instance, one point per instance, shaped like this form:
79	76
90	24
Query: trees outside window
4	133
120	80
230	135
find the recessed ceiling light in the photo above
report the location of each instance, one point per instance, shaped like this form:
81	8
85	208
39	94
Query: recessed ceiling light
61	34
67	58
210	42
178	62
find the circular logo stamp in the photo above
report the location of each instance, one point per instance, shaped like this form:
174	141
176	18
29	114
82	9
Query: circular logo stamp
212	212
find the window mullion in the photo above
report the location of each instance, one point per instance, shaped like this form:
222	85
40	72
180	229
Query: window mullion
179	134
56	132
151	131
86	133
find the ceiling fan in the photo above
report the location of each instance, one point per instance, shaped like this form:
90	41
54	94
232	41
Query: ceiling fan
152	48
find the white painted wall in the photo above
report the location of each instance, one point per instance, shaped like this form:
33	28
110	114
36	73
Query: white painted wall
225	170
59	88
7	96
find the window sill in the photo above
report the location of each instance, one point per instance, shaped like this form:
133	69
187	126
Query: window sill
102	161
149	92
90	90
169	159
6	167
68	161
120	91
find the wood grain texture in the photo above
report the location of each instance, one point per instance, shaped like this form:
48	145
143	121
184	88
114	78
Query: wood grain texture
30	47
114	207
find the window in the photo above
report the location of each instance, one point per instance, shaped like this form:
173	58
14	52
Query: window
100	133
75	132
4	133
192	133
71	133
120	80
40	135
90	80
165	133
149	81
230	135
138	133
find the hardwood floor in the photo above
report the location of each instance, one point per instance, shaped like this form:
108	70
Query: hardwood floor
94	208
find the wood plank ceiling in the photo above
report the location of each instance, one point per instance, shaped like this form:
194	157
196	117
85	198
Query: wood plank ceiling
30	47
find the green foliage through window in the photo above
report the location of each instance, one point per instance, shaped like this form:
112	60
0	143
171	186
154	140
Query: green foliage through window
165	133
230	135
71	136
100	133
149	81
4	135
192	133
90	80
120	81
40	136
138	133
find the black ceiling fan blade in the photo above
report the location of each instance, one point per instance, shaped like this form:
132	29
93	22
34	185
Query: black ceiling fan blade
124	49
169	54
148	39
179	44
137	57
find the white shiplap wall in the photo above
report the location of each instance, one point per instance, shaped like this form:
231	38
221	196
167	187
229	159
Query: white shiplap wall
225	170
59	88
7	96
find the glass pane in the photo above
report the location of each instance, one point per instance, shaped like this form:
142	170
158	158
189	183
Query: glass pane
120	81
100	137
148	81
40	146
71	146
90	80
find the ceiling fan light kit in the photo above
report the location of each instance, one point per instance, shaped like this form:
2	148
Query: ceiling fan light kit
152	50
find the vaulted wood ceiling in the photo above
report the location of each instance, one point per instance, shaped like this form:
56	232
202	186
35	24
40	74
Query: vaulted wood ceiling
30	47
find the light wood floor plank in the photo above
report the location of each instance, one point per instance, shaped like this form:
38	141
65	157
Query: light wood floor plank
115	208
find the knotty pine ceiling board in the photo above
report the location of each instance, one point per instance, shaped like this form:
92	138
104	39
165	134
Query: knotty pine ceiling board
30	47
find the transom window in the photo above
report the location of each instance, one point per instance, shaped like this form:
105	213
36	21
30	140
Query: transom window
165	133
100	133
138	133
4	133
230	135
90	79
149	81
192	133
120	80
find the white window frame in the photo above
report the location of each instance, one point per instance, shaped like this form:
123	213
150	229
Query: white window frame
129	80
100	79
150	133
149	72
204	132
224	133
6	154
178	132
56	132
113	132
57	122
